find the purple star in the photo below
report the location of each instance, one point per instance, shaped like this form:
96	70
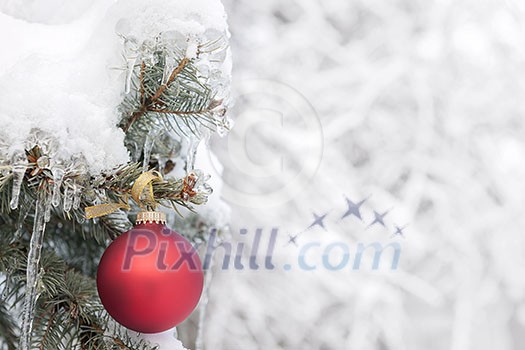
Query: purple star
399	231
353	208
319	221
293	239
379	218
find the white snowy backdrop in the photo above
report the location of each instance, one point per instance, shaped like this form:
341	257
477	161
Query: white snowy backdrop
421	105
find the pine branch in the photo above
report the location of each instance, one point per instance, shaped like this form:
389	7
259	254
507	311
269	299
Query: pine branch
183	103
173	74
69	314
73	318
8	328
115	184
183	192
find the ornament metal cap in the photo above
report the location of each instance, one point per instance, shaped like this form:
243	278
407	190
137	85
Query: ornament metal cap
151	216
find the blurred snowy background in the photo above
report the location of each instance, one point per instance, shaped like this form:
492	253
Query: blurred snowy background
421	105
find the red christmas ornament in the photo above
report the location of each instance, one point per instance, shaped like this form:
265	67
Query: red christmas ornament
150	278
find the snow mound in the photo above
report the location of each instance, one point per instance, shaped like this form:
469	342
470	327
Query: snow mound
40	95
73	98
146	19
48	11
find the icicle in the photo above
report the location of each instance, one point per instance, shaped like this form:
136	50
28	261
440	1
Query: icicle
201	185
169	65
32	273
192	151
47	210
22	215
148	146
68	196
19	170
131	53
77	196
224	126
147	52
129	74
222	122
58	176
162	163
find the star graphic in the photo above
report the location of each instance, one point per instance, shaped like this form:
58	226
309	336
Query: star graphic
318	221
293	239
353	208
379	218
399	231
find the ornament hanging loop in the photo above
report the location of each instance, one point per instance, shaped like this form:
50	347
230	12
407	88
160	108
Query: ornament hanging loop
141	192
143	187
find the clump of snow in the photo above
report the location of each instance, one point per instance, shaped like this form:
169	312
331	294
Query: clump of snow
73	95
48	11
38	94
165	340
145	20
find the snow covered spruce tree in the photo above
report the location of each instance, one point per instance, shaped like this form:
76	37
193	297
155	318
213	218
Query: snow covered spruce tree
79	131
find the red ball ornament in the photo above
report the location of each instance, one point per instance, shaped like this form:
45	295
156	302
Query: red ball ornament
150	278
